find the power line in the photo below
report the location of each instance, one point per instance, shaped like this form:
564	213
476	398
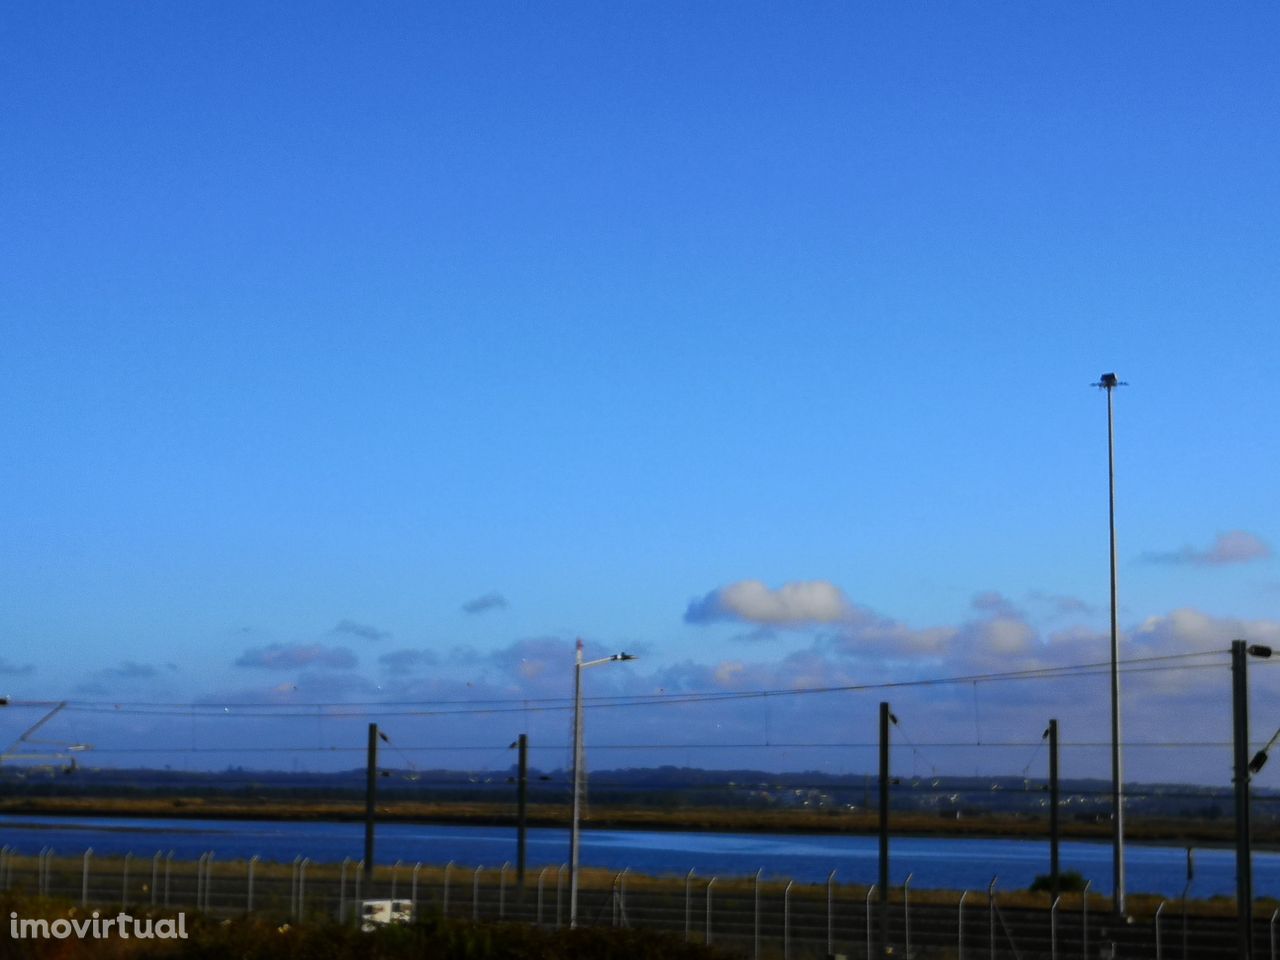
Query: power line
424	708
750	745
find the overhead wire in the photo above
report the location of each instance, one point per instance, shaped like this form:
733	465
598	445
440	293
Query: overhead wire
432	708
709	745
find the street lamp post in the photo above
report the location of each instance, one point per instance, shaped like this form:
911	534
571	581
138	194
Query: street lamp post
1109	382
579	666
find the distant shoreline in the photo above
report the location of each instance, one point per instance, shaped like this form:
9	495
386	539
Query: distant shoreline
693	819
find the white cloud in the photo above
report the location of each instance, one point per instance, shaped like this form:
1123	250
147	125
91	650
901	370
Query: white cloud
799	603
481	604
869	634
1191	631
727	672
1005	636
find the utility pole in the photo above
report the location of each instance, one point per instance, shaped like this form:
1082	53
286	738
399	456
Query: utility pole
1053	810
1109	382
885	716
522	787
370	798
1244	858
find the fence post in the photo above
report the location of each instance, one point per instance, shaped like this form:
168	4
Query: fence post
617	878
710	883
1159	945
155	877
960	926
906	912
84	878
444	906
124	880
253	862
559	890
208	880
293	889
870	893
359	879
1084	921
1053	929
542	877
688	904
786	921
413	888
342	889
475	894
1273	934
831	945
200	880
622	897
40	885
502	890
302	888
395	876
168	870
755	897
991	916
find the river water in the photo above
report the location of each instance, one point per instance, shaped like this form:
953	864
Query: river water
934	862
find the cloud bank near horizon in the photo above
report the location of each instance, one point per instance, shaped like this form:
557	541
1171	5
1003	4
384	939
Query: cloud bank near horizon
948	682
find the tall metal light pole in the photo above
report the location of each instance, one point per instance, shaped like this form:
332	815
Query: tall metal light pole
579	666
1108	382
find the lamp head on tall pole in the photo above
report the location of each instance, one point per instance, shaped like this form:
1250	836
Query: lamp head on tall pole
1109	381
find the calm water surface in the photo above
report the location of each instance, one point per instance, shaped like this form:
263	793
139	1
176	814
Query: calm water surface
934	862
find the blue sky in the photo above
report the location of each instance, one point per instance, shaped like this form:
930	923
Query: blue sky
322	322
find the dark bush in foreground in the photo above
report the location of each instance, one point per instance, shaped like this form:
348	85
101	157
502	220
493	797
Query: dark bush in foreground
1069	881
439	940
432	939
